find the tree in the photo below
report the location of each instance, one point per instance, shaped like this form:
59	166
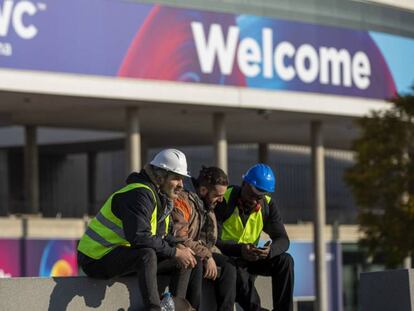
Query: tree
382	180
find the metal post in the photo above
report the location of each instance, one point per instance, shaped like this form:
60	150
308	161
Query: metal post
318	183
263	153
133	140
31	170
220	140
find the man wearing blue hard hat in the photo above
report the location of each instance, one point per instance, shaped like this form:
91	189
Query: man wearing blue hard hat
242	216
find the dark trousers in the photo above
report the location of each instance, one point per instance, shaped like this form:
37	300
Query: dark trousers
279	268
145	264
224	284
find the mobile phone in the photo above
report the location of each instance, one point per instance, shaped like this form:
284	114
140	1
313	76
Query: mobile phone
262	245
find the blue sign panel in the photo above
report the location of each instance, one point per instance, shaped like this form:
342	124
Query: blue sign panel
146	41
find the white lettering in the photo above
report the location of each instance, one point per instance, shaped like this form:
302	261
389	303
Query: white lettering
267	43
284	49
4	274
14	14
22	8
6	49
5	15
361	70
307	72
248	57
215	45
330	65
338	60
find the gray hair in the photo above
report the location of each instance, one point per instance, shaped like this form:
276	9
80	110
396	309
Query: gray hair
157	174
160	172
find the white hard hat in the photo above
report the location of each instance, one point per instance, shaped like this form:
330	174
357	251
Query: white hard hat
171	160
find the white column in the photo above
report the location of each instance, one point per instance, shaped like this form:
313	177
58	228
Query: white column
31	170
220	140
133	140
318	183
144	153
263	153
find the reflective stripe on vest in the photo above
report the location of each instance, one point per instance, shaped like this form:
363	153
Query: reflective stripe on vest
233	228
106	232
167	224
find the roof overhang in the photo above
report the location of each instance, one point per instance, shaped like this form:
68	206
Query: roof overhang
173	113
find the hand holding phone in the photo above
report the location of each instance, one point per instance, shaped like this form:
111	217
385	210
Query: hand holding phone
249	252
263	250
264	245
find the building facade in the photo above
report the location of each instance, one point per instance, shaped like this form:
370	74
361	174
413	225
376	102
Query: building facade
112	81
89	91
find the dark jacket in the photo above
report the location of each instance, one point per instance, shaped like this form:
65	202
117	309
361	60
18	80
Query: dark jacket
272	222
135	208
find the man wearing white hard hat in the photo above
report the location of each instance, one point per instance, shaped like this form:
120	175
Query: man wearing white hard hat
130	234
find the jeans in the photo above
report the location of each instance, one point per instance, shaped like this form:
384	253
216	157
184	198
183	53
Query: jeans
279	268
224	284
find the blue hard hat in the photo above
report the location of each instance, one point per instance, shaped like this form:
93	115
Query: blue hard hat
261	176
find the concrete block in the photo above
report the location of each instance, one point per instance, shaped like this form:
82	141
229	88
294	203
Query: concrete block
69	293
83	293
387	290
264	288
64	228
11	228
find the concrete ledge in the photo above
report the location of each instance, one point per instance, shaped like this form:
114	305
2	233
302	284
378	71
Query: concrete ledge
69	293
83	293
57	228
35	227
11	227
387	290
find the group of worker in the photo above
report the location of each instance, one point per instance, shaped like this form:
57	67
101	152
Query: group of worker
154	226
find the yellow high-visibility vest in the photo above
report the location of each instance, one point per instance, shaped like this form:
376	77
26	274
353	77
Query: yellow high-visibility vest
105	231
233	228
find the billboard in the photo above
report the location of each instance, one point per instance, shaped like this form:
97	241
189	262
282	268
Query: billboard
147	41
50	258
304	256
10	250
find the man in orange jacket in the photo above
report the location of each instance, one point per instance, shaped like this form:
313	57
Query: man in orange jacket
195	226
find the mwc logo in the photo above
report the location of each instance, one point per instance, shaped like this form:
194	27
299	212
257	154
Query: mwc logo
327	65
13	14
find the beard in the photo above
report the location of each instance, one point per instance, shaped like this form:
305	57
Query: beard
171	193
208	206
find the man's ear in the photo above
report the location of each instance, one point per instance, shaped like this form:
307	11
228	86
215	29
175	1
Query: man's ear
161	180
203	191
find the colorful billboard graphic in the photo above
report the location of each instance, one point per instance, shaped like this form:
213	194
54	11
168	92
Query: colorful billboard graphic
304	256
51	258
10	258
145	41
